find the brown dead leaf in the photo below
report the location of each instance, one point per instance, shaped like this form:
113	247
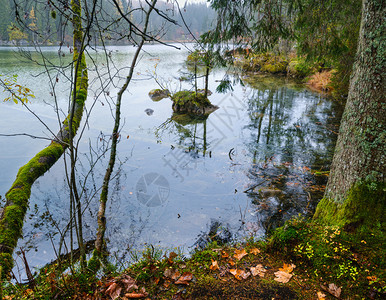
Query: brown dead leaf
185	278
128	282
321	296
283	277
258	270
135	295
287	268
239	254
224	254
254	251
114	290
334	290
231	262
169	273
239	274
172	256
214	266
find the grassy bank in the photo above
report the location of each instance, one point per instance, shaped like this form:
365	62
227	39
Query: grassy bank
316	75
301	260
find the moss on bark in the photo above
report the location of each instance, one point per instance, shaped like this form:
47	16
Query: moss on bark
363	208
17	198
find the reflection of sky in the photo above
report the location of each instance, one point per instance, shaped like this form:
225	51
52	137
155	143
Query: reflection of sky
202	188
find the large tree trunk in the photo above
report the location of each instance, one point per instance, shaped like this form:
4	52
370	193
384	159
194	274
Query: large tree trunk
355	191
17	198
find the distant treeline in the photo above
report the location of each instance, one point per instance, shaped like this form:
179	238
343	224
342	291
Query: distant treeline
48	22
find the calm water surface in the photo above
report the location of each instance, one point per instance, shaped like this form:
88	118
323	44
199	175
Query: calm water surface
244	170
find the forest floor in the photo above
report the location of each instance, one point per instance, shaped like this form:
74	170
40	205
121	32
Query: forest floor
301	260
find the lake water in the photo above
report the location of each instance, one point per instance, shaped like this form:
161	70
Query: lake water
244	170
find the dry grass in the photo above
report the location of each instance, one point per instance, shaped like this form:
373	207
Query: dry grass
321	81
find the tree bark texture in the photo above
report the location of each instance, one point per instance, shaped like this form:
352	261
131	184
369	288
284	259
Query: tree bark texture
358	166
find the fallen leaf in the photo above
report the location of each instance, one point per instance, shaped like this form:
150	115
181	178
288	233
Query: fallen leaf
254	251
372	278
172	274
128	282
334	290
287	268
176	275
321	296
214	266
172	256
224	254
114	290
239	254
231	262
282	276
239	274
258	270
135	295
185	278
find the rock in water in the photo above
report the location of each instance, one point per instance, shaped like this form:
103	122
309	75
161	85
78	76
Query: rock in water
149	111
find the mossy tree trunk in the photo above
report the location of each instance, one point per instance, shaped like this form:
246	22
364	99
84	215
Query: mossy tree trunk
17	198
355	192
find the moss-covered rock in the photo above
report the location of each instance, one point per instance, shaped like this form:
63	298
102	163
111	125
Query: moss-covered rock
187	102
158	94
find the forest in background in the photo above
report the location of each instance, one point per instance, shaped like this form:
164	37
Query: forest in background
48	27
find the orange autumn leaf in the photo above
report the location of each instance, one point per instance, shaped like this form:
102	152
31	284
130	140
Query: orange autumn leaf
231	262
254	251
224	254
321	296
239	254
287	268
239	274
214	266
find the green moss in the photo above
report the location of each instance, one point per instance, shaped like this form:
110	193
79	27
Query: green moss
182	98
364	206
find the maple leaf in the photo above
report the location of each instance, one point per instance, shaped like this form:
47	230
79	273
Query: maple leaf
334	290
231	262
239	274
185	278
214	266
321	296
114	290
287	268
258	270
282	276
239	254
254	251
